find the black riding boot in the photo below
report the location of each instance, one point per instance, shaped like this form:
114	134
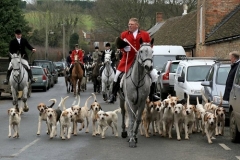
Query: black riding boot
83	70
30	75
70	70
152	96
7	77
116	86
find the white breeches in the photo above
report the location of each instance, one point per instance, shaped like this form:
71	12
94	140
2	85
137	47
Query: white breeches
23	61
153	74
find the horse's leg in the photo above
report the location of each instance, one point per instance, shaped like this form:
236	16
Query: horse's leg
24	99
104	91
15	98
123	111
79	85
139	116
74	87
132	113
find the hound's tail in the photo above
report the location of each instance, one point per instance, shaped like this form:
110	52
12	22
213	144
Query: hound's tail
53	102
220	105
117	110
62	103
197	101
87	101
188	103
79	99
95	99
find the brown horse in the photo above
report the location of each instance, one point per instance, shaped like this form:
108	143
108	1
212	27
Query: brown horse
77	75
95	74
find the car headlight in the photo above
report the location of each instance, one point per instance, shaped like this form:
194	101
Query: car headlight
193	91
217	100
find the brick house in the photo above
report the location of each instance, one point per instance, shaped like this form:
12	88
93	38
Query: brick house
212	30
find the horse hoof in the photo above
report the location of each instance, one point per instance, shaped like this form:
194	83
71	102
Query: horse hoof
132	144
124	134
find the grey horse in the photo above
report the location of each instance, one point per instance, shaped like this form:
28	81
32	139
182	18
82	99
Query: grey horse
136	88
19	81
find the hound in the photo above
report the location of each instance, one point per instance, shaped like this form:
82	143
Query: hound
209	125
53	116
220	119
43	115
156	116
146	117
65	122
14	122
178	119
81	113
106	119
95	107
167	119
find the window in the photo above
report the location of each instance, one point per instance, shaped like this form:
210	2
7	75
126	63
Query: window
159	60
210	74
237	77
173	67
37	71
197	73
222	75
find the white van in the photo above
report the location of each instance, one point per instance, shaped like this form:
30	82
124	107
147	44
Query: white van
189	76
163	53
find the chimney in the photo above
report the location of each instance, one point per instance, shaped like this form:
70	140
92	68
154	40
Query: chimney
185	8
159	17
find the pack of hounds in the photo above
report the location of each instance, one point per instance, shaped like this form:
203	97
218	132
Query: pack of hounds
164	115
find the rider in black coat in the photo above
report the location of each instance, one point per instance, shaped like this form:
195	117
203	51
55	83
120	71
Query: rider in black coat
18	45
234	57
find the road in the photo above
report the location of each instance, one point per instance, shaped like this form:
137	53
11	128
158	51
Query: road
29	146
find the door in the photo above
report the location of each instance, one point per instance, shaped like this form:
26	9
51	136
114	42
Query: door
208	89
178	85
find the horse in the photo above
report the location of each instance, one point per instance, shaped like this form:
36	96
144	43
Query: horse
95	74
88	68
77	75
68	80
107	77
136	84
19	82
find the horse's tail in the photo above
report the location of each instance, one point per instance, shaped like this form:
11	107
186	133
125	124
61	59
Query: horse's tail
87	101
62	103
117	110
95	99
53	102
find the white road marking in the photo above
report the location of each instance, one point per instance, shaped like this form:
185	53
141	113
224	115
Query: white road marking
238	157
24	148
224	146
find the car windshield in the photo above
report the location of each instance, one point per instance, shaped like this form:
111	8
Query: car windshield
160	60
59	64
37	71
197	73
222	75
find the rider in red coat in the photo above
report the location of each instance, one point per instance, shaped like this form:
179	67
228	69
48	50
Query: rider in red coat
80	56
133	35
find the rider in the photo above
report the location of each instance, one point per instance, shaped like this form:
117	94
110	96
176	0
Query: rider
133	35
80	56
17	45
108	50
96	54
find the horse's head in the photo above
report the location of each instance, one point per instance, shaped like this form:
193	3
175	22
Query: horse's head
107	58
16	61
144	55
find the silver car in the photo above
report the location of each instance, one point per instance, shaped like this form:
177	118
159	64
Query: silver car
234	109
214	84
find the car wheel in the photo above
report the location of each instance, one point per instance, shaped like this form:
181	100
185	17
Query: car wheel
45	89
234	134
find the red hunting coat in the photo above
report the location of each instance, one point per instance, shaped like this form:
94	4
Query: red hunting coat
80	55
134	42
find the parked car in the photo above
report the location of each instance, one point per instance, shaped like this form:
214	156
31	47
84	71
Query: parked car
41	79
215	82
163	53
60	66
165	82
47	64
50	77
190	73
234	109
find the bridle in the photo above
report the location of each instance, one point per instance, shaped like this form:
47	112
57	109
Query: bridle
139	54
16	78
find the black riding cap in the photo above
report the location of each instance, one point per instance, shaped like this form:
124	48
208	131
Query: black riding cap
120	43
18	31
70	52
96	47
107	45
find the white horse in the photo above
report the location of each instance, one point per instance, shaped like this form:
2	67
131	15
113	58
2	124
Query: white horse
19	82
136	88
107	77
